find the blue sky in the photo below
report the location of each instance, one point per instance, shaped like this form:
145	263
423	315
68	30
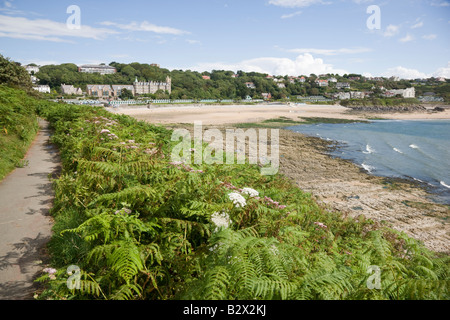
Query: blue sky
272	36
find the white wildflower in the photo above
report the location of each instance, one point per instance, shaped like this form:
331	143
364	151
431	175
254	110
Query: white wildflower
274	250
221	220
238	200
251	192
320	224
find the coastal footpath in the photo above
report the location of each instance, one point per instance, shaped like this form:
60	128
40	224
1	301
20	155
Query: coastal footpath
26	197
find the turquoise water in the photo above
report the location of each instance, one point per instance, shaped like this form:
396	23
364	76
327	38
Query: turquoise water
418	150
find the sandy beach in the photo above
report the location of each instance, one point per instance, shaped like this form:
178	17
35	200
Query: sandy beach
231	114
337	184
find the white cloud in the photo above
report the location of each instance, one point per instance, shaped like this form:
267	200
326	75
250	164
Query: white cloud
391	30
40	62
296	3
440	3
406	73
417	25
407	38
291	15
330	52
429	36
145	26
303	64
8	8
190	41
47	30
443	72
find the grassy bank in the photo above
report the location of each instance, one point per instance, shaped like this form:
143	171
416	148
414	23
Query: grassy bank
18	127
140	226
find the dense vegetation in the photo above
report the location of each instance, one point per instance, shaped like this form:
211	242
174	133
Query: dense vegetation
221	85
143	227
18	127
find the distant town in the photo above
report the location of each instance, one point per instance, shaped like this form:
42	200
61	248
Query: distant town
323	88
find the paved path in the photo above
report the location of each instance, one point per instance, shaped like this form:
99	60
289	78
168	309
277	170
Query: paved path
25	225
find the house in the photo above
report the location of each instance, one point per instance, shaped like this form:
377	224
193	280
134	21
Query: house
42	88
322	83
234	75
266	96
334	80
269	76
354	78
430	97
405	93
388	94
32	69
281	85
293	79
342	95
343	85
99	90
101	69
440	79
357	95
155	65
302	80
206	77
69	90
250	85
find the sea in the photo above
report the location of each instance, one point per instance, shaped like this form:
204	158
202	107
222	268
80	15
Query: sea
417	150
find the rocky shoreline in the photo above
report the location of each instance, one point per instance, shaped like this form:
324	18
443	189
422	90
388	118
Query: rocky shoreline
384	109
407	108
343	186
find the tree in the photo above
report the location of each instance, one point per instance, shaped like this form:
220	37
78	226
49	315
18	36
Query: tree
126	94
13	75
314	91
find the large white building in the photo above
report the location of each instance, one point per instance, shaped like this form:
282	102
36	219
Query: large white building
137	88
406	93
102	69
42	88
152	86
32	69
